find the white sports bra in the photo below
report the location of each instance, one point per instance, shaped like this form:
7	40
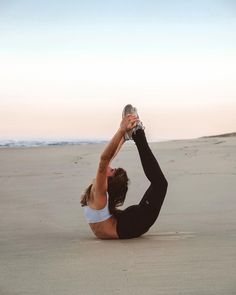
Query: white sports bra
94	216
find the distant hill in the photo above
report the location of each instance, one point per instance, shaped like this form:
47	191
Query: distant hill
221	135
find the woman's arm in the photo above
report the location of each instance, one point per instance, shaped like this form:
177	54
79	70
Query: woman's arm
108	154
110	151
119	147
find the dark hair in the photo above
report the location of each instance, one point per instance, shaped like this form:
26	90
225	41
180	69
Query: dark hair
85	196
117	188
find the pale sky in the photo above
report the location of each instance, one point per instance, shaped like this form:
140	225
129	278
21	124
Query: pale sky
67	68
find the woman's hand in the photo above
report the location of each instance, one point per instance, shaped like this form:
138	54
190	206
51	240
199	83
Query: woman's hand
128	122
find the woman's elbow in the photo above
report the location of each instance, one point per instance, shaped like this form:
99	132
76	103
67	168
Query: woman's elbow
103	164
104	158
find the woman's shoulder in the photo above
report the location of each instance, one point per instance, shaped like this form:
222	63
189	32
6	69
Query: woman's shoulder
98	202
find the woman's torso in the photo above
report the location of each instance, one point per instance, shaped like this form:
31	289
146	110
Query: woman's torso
104	229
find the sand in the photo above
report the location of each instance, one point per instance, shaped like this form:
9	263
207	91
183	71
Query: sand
47	248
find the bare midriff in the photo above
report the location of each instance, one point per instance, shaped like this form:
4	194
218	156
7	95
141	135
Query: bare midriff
105	229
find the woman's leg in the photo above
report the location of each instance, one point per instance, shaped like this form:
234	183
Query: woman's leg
156	192
150	165
136	220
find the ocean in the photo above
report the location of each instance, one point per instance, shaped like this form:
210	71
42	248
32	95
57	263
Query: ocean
42	143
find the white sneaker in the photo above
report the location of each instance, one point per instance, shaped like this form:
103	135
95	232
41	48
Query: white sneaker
130	110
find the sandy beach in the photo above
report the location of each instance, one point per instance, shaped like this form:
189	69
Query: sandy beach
47	248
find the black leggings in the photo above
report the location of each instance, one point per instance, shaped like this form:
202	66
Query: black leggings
137	219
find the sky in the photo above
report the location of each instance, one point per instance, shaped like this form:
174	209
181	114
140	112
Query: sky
67	68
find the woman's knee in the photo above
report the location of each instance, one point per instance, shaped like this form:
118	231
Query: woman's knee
160	183
165	183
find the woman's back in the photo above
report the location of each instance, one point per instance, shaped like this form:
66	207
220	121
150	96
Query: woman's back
105	229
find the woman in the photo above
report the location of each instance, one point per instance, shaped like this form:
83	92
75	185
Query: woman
108	190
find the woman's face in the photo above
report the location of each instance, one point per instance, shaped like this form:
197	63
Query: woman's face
110	171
